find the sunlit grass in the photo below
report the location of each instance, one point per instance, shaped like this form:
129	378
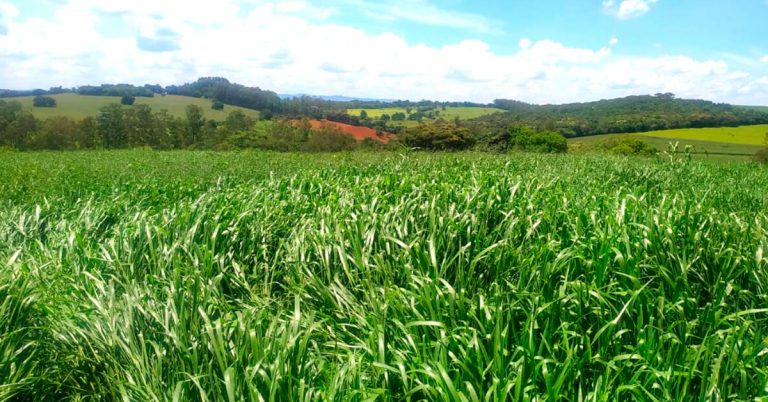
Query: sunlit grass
79	106
467	277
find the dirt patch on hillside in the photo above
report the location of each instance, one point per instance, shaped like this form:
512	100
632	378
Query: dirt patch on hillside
359	133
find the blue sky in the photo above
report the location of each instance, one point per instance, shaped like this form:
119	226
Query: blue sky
545	51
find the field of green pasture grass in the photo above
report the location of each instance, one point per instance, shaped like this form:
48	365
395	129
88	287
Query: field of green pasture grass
744	135
79	106
728	142
450	113
154	276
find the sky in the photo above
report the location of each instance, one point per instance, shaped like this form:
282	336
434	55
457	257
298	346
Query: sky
538	51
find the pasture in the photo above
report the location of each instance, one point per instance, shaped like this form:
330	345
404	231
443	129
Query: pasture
79	106
154	276
723	142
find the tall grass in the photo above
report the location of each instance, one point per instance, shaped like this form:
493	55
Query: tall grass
469	277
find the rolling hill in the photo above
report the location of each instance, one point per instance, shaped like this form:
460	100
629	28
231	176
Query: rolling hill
80	106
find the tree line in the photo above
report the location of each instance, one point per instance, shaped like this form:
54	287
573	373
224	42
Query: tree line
118	127
630	114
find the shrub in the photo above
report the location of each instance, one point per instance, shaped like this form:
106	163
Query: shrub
43	101
128	100
440	135
629	146
543	142
217	105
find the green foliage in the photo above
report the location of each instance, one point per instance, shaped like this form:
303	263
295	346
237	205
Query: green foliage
111	128
217	105
629	146
137	275
43	101
632	114
526	139
127	100
440	135
762	155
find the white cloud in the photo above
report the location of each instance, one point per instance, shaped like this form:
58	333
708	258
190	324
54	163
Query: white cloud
613	41
288	48
627	9
764	59
7	13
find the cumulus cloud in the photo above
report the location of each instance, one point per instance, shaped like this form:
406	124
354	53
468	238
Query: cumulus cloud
7	13
765	58
613	41
626	9
287	50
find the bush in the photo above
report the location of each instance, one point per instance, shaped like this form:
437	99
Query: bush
761	156
43	101
128	100
440	135
329	138
217	105
629	146
527	139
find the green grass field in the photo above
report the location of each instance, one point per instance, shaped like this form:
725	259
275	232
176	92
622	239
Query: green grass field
745	135
731	142
79	106
191	276
464	113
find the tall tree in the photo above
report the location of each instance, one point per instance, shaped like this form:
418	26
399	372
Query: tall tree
195	123
111	127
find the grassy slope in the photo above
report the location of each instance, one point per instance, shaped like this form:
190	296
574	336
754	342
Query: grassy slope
464	113
734	142
236	276
78	106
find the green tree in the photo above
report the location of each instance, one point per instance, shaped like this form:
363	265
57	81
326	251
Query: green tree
87	134
195	123
55	133
140	126
128	100
110	126
21	128
43	101
440	135
527	139
217	105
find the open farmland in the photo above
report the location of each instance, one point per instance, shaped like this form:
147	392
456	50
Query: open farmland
722	142
745	135
79	107
140	275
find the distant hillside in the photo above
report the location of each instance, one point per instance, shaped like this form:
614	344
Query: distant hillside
624	115
80	106
335	98
412	116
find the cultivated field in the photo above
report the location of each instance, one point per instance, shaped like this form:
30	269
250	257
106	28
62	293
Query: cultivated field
79	106
184	276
